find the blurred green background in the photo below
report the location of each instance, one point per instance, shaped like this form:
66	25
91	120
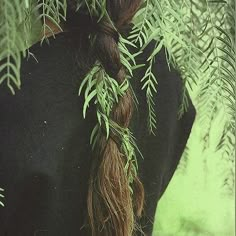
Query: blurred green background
200	200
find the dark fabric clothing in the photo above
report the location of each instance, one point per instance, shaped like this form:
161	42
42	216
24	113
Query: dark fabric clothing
44	142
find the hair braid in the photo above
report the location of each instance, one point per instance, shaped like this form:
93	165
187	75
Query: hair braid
112	207
110	202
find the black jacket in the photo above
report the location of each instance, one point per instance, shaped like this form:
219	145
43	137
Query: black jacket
44	143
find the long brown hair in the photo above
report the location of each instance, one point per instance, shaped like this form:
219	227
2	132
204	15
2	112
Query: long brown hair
112	208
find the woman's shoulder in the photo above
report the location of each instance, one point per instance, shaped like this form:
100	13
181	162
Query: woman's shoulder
47	70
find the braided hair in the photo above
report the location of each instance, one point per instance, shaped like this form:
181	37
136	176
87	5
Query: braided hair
112	207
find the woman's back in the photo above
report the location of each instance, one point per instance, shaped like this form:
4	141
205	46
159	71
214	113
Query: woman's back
45	151
45	146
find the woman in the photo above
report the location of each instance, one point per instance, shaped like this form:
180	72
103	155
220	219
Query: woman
54	183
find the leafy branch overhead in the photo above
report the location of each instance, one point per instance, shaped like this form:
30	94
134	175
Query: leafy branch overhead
199	38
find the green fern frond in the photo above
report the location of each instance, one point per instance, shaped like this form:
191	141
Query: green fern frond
184	101
219	89
183	164
11	43
145	29
150	83
53	10
105	92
